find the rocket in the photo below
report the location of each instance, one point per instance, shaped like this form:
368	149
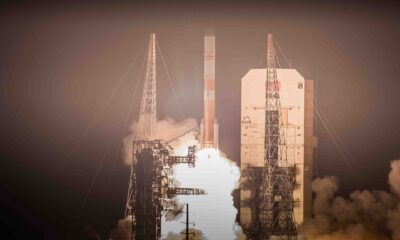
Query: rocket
209	124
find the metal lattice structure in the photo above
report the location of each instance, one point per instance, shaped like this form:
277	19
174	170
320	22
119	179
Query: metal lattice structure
152	188
276	216
148	114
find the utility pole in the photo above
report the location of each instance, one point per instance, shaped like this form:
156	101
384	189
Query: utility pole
187	221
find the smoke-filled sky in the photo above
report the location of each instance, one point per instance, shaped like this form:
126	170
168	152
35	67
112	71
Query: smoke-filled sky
68	73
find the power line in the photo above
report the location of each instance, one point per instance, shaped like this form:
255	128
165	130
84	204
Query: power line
337	142
96	116
284	56
170	81
129	113
93	181
106	151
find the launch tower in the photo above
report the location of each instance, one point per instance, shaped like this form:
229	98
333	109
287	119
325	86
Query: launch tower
152	187
148	114
276	207
273	141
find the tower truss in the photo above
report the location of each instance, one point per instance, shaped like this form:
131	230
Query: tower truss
276	216
152	188
148	111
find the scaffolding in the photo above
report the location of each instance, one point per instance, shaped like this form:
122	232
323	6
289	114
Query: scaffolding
276	216
152	188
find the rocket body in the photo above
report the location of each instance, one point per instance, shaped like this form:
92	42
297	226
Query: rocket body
209	124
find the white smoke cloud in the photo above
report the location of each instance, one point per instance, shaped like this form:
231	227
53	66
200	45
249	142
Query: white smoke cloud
165	129
214	213
195	234
364	215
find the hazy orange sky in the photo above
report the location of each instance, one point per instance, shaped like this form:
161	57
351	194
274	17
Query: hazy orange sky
60	62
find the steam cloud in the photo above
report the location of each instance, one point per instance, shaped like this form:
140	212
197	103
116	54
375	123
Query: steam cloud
213	214
365	214
165	130
122	231
195	235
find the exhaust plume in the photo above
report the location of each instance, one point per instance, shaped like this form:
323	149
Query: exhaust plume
213	214
363	215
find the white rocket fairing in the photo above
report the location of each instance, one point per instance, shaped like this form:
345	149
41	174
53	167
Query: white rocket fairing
209	124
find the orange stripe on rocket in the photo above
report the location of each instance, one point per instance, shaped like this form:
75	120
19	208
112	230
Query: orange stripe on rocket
209	124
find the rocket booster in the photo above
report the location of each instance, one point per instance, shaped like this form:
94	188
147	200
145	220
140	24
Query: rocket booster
209	124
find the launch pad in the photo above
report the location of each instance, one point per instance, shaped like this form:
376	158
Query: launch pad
152	188
267	206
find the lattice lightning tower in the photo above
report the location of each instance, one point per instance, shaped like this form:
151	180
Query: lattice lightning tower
148	113
276	206
152	188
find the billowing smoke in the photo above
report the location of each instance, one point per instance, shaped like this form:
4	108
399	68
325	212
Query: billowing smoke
165	129
213	213
394	214
394	222
394	177
195	234
123	230
364	215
